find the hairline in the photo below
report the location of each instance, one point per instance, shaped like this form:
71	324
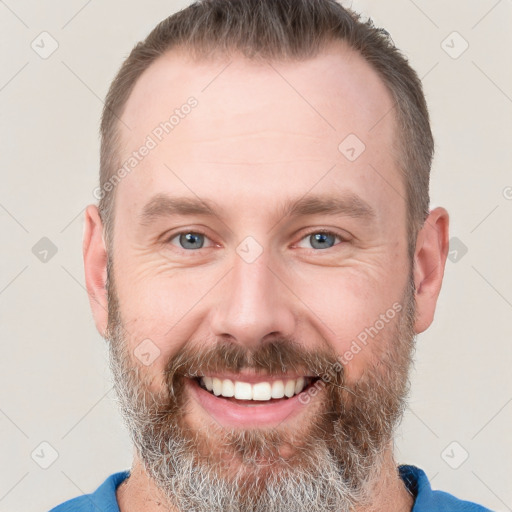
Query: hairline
199	55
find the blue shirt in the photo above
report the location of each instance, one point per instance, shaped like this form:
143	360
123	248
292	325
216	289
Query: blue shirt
415	479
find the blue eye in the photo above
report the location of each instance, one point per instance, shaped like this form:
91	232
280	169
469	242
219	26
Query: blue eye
322	239
192	240
189	240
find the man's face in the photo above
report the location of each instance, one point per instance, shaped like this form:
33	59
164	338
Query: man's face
257	291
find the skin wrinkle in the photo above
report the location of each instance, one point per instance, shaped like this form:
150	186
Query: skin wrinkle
169	444
294	307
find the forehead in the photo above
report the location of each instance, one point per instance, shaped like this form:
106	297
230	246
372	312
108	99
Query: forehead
259	125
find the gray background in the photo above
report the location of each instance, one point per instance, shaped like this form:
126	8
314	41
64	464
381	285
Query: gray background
54	381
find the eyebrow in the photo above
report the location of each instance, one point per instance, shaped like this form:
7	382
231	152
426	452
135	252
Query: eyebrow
347	204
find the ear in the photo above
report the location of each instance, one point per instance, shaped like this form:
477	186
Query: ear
432	246
95	265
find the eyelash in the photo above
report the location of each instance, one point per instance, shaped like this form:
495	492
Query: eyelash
312	232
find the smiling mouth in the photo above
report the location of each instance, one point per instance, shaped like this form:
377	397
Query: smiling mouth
250	400
262	391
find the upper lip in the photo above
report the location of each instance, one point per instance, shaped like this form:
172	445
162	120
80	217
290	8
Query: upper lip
255	377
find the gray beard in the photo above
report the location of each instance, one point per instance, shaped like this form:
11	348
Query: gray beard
337	458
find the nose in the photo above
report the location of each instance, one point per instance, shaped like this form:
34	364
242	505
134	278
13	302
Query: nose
252	304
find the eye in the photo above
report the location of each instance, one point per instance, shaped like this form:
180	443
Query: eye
321	239
193	240
188	240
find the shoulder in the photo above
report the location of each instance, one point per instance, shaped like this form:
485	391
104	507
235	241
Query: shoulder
103	498
428	500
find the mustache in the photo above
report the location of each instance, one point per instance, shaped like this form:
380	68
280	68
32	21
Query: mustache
278	357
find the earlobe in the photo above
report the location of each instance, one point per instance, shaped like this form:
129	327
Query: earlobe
95	266
429	263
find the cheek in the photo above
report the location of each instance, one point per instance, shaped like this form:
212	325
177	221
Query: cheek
154	286
160	314
356	312
154	298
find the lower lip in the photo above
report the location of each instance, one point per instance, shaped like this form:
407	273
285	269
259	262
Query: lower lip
252	413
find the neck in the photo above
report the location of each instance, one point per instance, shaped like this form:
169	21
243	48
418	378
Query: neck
138	493
389	493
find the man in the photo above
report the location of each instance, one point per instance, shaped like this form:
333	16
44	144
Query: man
265	251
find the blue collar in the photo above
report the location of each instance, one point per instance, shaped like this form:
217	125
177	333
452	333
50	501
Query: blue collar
414	478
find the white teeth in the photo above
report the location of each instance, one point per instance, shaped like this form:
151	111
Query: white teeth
228	388
277	389
299	385
262	391
217	386
208	382
289	388
243	391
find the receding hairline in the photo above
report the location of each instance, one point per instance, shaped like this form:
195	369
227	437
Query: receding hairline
290	30
181	54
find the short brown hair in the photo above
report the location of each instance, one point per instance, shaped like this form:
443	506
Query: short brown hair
280	30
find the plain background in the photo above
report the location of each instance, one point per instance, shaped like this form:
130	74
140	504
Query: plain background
54	380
